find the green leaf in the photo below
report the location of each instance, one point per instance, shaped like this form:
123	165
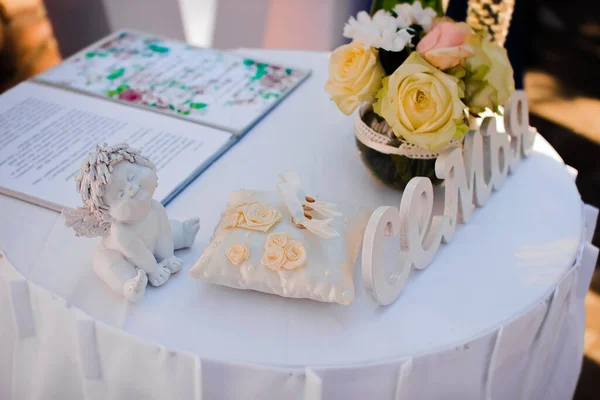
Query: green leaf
390	4
269	95
459	71
91	54
116	74
198	106
158	49
480	72
260	72
461	129
380	95
248	62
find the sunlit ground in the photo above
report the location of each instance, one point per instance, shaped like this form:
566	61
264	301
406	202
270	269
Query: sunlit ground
573	128
548	99
580	114
592	326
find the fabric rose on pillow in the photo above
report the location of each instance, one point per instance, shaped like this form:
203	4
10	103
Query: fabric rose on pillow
276	239
237	253
355	75
295	253
281	251
260	217
422	104
253	216
273	258
445	46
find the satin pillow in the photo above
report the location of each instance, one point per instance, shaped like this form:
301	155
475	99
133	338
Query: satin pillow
248	257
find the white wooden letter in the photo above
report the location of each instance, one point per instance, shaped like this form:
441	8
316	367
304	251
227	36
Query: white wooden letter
496	152
469	177
478	177
385	221
458	194
421	235
516	123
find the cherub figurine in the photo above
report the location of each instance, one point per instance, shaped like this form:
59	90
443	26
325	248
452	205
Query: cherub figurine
116	185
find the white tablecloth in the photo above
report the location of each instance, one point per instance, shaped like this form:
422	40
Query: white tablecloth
499	314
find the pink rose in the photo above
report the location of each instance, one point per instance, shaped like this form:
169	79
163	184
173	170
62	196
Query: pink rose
445	45
130	95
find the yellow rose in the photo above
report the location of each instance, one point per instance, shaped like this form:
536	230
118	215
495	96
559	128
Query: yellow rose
422	104
295	254
354	76
276	239
237	253
273	258
259	217
489	82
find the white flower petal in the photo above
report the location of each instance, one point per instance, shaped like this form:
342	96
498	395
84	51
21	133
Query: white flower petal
423	17
405	12
383	30
363	18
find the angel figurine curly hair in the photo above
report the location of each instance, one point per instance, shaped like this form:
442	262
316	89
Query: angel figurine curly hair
116	184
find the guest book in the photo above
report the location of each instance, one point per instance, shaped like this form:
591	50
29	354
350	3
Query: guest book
181	105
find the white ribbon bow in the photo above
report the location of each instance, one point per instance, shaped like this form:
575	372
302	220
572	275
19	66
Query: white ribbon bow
296	201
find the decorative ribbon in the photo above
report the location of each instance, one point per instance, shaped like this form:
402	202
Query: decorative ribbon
298	203
377	136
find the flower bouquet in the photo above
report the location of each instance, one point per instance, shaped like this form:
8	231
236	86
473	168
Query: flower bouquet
420	78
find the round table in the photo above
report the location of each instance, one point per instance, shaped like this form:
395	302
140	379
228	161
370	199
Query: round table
489	318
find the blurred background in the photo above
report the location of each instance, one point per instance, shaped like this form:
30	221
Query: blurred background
554	46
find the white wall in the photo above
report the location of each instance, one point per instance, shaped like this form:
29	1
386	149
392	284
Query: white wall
161	17
289	24
77	23
198	17
240	23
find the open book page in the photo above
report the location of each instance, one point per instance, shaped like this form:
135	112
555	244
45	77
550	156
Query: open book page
46	132
211	87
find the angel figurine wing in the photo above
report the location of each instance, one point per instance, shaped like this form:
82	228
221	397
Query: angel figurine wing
85	223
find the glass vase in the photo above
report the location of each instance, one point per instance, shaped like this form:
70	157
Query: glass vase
394	170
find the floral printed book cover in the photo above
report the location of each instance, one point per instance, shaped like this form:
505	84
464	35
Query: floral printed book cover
211	87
